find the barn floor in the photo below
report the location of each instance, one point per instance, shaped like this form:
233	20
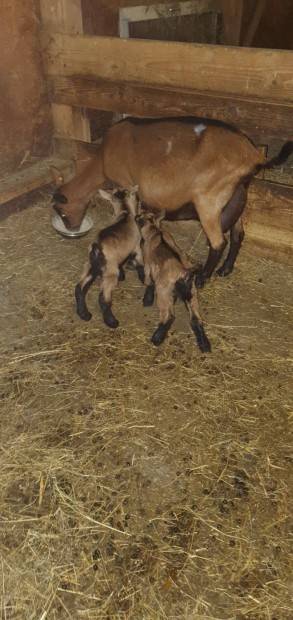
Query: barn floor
141	483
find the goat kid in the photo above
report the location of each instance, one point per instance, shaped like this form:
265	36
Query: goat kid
113	246
193	168
168	278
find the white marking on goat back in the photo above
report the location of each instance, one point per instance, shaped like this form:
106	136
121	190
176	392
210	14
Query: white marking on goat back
169	146
199	128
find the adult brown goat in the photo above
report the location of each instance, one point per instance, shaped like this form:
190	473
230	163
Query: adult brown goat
193	168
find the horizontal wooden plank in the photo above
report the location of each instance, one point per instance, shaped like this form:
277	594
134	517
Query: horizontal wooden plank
268	221
251	116
19	183
245	72
260	242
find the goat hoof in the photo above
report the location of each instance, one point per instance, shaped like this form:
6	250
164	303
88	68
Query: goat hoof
224	271
157	339
147	302
85	316
200	280
205	346
111	321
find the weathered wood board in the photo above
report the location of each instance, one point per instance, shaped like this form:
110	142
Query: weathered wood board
254	117
268	221
260	74
19	183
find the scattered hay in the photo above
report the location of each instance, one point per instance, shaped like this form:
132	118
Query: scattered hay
141	483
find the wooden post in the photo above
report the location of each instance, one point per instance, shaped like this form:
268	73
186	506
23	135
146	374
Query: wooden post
253	24
65	16
232	18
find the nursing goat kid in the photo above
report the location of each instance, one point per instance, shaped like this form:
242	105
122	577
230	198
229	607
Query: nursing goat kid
168	278
193	168
113	246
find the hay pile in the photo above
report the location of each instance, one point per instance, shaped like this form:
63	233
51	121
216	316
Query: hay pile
141	483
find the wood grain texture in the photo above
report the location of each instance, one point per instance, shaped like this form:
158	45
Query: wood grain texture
15	185
251	116
265	75
232	19
268	221
66	16
254	23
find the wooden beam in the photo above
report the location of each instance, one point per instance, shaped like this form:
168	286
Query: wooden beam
251	116
19	183
268	221
66	16
232	19
254	22
265	75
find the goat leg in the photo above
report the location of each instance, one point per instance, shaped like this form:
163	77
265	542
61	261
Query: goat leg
188	293
89	275
209	267
201	337
110	279
121	276
161	332
108	316
149	295
166	308
236	238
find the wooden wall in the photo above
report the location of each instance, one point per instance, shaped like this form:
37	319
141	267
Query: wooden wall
25	115
274	29
101	16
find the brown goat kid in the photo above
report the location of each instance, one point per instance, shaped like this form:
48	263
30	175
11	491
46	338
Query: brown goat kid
166	276
113	246
193	168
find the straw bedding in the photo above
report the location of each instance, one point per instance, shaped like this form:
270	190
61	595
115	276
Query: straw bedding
141	483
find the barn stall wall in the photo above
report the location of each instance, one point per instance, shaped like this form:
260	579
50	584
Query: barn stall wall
25	112
273	29
248	87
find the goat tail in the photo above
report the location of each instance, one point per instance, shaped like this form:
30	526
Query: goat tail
285	152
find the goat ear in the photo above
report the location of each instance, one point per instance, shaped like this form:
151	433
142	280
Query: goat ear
58	197
160	216
105	195
57	176
134	190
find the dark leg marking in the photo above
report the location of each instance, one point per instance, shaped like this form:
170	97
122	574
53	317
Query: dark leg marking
107	313
236	238
81	307
200	335
149	296
212	261
121	276
80	294
230	220
161	332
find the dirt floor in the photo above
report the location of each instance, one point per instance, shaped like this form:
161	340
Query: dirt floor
140	483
